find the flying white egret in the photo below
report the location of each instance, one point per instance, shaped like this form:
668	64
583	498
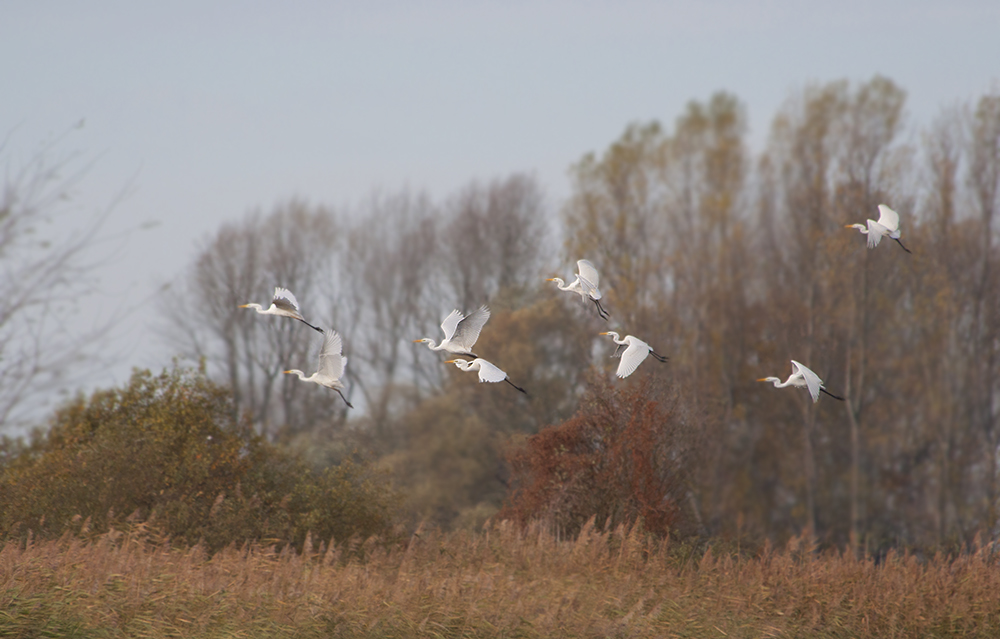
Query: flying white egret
888	224
460	332
331	366
802	377
283	304
636	351
488	372
585	285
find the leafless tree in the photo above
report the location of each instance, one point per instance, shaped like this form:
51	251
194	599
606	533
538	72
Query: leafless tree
389	283
943	358
984	180
380	275
493	239
47	257
293	247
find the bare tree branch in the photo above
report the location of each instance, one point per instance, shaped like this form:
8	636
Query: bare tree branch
47	266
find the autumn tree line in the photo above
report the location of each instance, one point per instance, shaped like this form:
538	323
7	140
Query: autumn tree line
728	259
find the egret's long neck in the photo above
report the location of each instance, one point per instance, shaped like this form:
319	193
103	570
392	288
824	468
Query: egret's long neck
560	283
430	343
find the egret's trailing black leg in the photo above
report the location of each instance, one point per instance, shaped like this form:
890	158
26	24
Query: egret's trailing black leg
600	310
661	358
515	385
343	398
901	244
315	328
830	394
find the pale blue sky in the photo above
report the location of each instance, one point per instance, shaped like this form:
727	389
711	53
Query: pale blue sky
208	109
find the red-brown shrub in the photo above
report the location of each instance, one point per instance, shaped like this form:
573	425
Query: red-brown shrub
623	457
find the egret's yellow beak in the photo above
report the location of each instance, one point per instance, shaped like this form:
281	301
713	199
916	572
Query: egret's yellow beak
417	340
451	361
848	226
605	333
244	305
550	279
286	371
762	379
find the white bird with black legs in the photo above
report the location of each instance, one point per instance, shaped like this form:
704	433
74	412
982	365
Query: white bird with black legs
460	332
331	366
802	377
284	304
586	285
488	372
887	225
635	353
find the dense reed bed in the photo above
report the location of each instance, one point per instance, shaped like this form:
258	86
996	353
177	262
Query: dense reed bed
499	583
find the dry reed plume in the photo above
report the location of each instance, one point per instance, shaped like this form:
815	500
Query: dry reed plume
500	583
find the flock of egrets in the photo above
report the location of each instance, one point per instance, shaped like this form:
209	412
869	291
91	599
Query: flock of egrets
462	331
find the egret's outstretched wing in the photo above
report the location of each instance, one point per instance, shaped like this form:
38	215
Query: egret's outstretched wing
489	372
888	218
588	289
284	300
450	323
634	355
331	358
590	279
467	331
875	233
812	380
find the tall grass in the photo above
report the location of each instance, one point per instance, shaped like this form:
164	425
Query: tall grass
499	583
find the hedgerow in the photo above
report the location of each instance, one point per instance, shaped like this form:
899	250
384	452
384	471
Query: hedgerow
169	450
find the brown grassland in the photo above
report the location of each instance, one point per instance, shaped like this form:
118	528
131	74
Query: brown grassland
504	582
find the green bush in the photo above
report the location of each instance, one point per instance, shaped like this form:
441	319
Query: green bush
168	450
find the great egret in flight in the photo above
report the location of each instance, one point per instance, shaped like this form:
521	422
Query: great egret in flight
283	304
460	332
634	354
488	372
331	366
802	377
888	224
585	285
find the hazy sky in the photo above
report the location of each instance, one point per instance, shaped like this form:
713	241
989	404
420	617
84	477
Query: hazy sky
208	109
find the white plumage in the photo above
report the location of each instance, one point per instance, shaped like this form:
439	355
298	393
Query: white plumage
887	225
802	377
460	332
586	285
488	372
283	304
331	366
635	353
